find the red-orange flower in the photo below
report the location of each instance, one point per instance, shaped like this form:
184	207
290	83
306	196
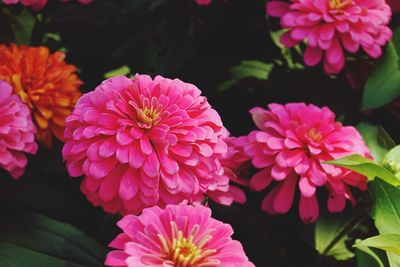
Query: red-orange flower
48	85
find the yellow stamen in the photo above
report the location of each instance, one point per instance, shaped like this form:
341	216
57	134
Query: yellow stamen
185	251
314	135
338	4
148	116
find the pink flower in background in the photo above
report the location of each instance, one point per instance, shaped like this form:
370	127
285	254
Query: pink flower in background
394	4
328	26
17	132
234	162
38	4
292	142
179	235
203	2
141	142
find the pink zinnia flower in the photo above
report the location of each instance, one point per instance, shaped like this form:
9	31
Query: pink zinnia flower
179	235
293	142
234	162
17	133
37	4
394	4
328	26
142	142
203	2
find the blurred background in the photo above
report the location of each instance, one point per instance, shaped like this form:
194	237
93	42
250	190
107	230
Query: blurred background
229	50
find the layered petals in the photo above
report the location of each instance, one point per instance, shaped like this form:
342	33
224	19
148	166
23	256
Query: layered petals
179	235
328	27
17	132
289	150
141	142
233	175
44	82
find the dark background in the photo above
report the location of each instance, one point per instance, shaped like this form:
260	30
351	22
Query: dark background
197	44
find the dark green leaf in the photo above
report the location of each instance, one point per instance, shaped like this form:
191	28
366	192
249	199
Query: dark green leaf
331	234
377	139
396	40
383	85
367	257
40	241
23	27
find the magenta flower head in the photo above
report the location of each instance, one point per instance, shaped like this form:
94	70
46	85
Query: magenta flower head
290	147
203	2
179	235
17	132
38	4
234	164
141	142
328	26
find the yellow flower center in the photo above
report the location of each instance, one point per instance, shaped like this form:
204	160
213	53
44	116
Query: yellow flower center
339	4
185	252
314	135
148	116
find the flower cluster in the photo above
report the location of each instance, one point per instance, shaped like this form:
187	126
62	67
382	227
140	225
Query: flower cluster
234	163
328	26
45	83
38	4
179	235
290	147
17	132
141	142
204	2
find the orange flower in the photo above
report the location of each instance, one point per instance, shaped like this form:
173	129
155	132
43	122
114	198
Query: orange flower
43	81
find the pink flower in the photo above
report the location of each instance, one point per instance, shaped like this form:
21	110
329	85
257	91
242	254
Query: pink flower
394	4
17	133
203	2
328	26
142	142
234	162
179	235
290	147
37	4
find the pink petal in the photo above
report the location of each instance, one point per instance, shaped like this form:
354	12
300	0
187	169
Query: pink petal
277	8
308	209
284	197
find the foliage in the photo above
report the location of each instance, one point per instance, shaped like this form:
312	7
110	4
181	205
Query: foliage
233	54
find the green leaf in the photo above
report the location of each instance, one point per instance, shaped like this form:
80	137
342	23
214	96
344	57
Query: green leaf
286	52
383	84
23	27
34	240
396	40
386	212
391	161
331	233
387	242
366	167
248	69
377	139
123	70
366	257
